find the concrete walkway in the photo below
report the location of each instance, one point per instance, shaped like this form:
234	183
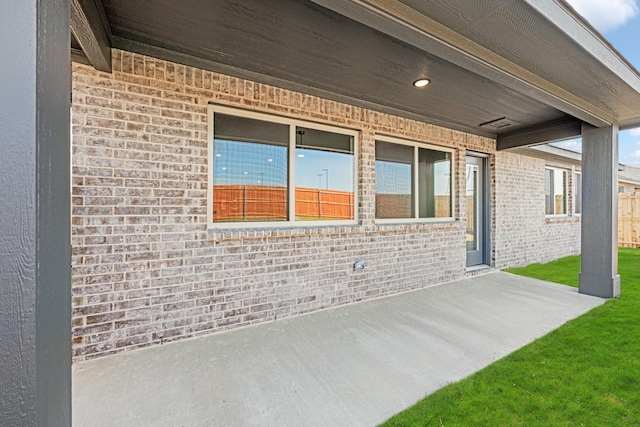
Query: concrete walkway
351	366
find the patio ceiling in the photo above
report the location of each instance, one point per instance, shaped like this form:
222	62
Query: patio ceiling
535	64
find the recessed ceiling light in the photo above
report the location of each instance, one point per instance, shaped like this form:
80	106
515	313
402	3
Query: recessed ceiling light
269	160
421	82
224	169
300	155
218	155
246	173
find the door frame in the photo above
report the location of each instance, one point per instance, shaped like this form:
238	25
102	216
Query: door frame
485	226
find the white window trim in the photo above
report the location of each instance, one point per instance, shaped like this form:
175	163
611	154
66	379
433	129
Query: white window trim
564	215
293	123
416	145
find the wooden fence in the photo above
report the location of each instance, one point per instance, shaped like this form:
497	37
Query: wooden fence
399	206
629	220
269	203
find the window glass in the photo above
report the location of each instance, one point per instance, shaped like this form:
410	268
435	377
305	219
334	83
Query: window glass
396	195
249	170
555	192
434	183
324	187
394	180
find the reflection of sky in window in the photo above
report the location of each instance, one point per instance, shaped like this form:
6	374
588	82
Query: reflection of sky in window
471	179
247	163
310	173
442	181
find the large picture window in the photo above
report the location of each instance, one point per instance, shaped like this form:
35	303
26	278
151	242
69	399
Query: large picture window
412	181
269	170
555	185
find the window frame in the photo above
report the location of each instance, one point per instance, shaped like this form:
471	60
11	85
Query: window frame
575	193
291	171
416	180
566	191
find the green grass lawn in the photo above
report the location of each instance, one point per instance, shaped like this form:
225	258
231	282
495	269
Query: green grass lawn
586	373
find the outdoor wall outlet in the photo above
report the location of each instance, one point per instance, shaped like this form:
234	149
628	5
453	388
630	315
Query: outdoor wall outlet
358	265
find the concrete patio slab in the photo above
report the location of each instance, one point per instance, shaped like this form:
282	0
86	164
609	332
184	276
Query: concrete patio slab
351	366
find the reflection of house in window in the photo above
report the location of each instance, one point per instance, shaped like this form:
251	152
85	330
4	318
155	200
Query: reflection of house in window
403	193
251	179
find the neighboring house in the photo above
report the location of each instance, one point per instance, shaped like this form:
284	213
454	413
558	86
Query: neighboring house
237	162
571	162
629	180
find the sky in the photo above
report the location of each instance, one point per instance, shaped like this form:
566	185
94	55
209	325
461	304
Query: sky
619	23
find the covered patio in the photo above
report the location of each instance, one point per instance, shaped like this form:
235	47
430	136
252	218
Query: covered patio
350	366
515	73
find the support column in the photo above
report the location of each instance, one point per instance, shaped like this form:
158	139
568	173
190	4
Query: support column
599	266
35	252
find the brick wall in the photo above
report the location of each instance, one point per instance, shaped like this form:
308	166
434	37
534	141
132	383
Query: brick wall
523	234
145	268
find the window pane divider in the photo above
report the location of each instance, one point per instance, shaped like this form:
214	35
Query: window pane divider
291	178
415	193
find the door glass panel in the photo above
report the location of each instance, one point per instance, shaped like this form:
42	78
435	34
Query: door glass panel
472	207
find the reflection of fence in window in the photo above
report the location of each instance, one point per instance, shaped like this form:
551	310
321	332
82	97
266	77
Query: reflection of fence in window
471	219
399	206
313	203
249	203
393	205
237	203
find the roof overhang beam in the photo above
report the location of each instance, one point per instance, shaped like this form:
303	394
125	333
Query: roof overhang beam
557	130
88	26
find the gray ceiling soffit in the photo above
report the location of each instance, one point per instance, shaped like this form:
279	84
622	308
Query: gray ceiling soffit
205	64
410	25
487	60
551	40
90	30
299	44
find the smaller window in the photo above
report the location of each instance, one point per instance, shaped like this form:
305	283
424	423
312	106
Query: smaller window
413	182
620	189
578	193
555	185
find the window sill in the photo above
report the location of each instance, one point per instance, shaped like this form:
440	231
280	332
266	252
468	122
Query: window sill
561	218
276	225
414	221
